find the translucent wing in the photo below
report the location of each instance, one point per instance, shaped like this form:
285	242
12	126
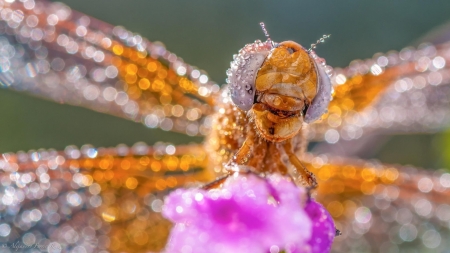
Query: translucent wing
406	91
92	199
51	51
380	208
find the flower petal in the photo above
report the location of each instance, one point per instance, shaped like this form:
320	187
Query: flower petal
248	214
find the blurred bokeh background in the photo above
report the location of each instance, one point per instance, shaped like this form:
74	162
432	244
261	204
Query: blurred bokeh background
207	34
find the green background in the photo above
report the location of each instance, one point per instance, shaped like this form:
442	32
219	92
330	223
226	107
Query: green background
207	34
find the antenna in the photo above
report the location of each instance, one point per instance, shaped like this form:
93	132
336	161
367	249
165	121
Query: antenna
321	40
263	27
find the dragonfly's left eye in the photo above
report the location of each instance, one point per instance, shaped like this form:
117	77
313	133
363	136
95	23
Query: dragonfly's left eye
320	102
242	73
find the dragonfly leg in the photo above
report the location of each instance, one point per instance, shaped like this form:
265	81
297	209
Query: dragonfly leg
306	175
244	153
246	170
216	183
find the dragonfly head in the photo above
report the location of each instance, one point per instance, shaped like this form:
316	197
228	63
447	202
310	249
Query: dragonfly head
282	85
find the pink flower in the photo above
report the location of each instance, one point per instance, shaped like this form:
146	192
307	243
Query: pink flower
248	214
323	230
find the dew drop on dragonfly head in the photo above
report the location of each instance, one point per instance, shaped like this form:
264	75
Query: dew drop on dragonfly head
321	40
321	61
328	70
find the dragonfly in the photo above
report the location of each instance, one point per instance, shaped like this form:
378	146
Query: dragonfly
94	199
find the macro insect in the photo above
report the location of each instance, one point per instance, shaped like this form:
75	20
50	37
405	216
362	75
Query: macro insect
96	199
275	87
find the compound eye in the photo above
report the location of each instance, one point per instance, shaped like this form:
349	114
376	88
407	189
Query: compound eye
242	73
322	99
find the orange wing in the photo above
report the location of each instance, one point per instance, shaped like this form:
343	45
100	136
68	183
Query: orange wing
94	199
404	91
54	52
380	207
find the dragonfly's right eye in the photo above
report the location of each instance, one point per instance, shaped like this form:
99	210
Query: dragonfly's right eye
242	73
